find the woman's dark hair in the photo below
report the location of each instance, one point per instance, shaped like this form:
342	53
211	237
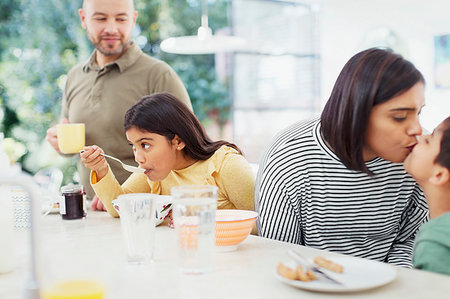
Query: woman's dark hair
443	158
163	114
369	78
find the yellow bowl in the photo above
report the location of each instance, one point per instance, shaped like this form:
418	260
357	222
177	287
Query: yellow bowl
75	289
233	227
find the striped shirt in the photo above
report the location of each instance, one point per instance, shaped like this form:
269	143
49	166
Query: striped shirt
305	195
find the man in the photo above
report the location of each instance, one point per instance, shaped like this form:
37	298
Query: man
99	92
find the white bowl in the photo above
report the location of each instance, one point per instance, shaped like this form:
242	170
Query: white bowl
163	205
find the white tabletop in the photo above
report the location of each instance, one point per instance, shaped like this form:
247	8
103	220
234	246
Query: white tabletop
93	247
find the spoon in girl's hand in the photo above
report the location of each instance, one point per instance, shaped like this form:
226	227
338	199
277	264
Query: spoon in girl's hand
125	166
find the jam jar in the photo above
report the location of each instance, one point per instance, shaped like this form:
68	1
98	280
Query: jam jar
72	204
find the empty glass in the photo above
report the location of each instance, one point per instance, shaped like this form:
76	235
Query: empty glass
137	218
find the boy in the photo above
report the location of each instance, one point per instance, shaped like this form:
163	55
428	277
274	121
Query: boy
429	164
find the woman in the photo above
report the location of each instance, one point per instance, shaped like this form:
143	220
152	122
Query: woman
171	145
337	183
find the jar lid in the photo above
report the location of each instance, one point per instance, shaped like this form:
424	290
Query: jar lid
71	188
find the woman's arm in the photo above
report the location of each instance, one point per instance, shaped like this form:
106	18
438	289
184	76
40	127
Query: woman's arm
277	218
415	214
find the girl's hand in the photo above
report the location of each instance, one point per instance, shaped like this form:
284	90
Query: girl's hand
170	220
97	204
91	158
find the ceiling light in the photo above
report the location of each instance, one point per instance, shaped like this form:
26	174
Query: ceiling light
204	42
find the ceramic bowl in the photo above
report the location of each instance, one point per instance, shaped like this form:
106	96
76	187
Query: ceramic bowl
163	205
233	227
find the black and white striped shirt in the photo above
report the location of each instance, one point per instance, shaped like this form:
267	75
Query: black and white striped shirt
305	195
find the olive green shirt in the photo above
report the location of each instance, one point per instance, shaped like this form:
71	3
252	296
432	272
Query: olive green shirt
100	97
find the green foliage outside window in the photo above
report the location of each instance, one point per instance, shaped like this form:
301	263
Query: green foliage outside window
42	39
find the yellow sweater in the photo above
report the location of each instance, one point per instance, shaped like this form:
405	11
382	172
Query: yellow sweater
226	169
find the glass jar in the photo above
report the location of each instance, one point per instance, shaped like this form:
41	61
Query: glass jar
72	205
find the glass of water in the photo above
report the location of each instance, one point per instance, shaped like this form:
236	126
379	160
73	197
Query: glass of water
194	216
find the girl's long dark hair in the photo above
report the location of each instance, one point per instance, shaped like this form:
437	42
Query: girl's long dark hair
164	114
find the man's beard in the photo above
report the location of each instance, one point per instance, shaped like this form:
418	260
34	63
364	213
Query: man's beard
109	51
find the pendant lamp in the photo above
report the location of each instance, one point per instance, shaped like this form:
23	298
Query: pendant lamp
204	42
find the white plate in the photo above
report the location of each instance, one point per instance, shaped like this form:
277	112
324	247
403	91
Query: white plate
49	206
54	208
358	275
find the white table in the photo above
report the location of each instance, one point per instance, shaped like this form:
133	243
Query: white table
95	245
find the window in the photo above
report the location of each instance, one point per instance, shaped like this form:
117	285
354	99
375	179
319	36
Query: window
276	79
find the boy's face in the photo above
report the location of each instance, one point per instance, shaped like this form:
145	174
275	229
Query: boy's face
421	160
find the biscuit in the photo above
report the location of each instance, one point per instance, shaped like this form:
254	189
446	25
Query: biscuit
286	272
304	276
327	264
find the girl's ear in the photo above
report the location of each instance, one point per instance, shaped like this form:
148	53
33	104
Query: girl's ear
178	143
440	175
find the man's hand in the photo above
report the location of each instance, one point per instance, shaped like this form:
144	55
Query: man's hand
52	135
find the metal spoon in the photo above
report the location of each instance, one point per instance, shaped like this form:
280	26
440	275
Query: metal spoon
125	166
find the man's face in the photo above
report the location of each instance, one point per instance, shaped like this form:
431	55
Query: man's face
108	24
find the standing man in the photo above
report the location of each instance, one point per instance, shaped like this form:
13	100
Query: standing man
99	92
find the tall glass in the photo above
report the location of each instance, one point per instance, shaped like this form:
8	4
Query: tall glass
137	218
194	216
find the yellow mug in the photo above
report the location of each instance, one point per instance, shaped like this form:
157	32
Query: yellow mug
71	138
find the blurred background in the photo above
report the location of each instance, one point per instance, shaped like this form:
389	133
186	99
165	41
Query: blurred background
294	52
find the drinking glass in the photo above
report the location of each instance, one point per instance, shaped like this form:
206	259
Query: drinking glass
194	215
137	218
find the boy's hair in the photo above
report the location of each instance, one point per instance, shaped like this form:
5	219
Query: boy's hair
443	158
369	78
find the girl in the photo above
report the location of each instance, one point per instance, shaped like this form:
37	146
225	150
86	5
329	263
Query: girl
171	145
337	183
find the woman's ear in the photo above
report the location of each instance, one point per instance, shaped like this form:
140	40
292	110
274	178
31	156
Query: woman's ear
178	143
440	175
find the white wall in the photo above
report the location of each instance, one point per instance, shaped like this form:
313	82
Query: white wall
348	26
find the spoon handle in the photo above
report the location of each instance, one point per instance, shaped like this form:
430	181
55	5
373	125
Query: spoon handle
111	157
105	155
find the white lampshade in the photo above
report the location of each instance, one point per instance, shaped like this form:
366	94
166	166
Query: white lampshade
194	45
204	42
